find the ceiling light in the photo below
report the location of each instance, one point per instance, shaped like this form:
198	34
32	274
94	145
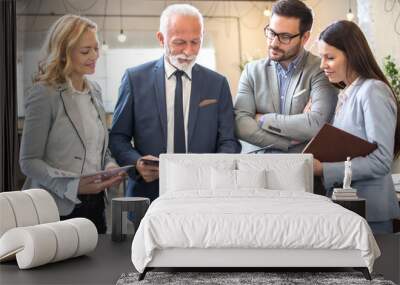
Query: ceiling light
104	46
267	12
350	15
121	36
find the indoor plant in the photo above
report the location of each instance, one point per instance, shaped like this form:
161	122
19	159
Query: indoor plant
392	72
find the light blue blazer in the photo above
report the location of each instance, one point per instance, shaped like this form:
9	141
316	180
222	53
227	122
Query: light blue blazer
369	113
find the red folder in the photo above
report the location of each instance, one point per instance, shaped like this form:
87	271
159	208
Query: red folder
332	145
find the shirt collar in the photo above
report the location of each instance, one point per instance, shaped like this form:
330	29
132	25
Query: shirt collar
348	90
170	69
293	65
86	89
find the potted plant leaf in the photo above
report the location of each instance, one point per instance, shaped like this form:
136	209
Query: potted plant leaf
392	72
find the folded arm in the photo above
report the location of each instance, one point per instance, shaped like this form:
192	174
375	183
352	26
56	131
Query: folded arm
246	125
302	127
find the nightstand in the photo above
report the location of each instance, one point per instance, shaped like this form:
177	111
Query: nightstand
356	205
138	205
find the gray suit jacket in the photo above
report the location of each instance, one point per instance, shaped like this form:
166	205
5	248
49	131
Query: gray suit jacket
258	93
53	141
369	113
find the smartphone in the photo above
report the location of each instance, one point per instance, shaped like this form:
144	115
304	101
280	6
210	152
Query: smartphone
150	162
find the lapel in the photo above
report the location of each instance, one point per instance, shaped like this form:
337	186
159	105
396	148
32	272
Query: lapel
159	86
72	112
195	96
294	82
95	95
272	83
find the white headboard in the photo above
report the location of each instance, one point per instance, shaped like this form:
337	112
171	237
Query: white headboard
284	161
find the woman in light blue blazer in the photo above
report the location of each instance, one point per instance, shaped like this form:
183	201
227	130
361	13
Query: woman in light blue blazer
65	132
367	108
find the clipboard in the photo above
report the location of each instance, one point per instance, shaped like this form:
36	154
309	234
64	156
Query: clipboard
332	144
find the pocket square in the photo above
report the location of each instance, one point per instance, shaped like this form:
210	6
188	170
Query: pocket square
301	92
207	102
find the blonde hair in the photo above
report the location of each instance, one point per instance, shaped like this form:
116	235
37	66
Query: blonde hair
55	66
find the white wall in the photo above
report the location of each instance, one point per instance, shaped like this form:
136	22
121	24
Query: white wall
380	21
113	63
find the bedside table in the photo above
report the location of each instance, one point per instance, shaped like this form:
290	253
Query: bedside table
138	205
356	205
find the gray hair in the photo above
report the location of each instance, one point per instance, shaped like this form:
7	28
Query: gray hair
179	9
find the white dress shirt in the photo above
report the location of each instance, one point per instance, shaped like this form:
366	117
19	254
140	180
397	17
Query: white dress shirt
170	84
93	128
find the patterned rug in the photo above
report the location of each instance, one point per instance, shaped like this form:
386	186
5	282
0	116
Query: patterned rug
244	278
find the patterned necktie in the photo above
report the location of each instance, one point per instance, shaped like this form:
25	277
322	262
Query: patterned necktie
179	125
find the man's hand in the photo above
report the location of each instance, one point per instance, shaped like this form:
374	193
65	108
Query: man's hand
317	166
148	172
258	117
307	108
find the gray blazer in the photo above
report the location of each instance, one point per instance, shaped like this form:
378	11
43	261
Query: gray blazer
258	93
53	141
369	113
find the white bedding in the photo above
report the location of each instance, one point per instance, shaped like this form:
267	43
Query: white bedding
252	218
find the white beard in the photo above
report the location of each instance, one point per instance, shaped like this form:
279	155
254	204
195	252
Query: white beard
174	59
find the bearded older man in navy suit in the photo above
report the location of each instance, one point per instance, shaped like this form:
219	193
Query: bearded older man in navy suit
171	105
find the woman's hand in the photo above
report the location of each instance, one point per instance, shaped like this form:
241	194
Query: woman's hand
95	184
317	166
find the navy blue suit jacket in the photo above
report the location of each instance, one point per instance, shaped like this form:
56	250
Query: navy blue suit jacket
141	116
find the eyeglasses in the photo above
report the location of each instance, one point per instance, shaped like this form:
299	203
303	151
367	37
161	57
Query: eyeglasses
283	38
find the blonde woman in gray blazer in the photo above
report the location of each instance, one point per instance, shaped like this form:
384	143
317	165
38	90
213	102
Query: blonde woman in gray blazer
368	109
65	133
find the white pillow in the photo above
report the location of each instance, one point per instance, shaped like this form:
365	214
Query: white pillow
292	179
285	174
186	174
225	179
183	178
251	178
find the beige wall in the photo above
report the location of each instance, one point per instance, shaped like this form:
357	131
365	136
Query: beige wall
223	22
378	21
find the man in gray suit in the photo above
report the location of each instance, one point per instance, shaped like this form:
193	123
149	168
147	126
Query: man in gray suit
285	99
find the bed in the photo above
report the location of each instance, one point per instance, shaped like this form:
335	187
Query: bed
224	210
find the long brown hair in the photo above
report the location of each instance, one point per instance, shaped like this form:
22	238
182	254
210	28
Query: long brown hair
55	65
348	37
